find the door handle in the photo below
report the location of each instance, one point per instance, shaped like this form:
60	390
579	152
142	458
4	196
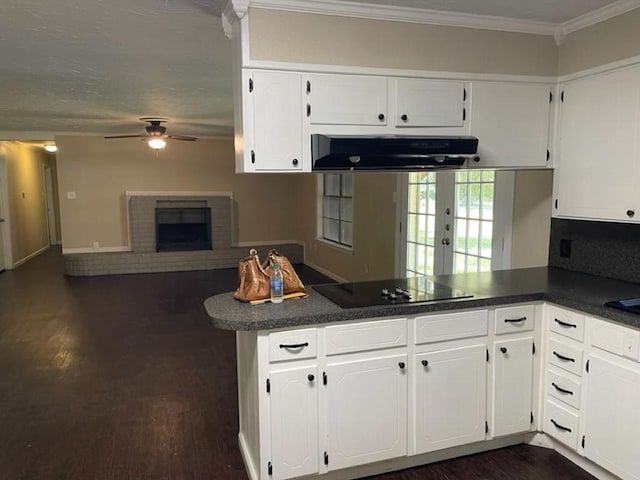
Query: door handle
446	241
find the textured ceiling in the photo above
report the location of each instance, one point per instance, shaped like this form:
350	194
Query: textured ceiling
96	66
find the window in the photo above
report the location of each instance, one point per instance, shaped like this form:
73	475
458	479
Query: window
451	218
337	208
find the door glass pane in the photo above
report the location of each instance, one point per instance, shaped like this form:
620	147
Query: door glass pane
461	235
461	200
332	184
473	235
431	230
487	201
459	264
485	249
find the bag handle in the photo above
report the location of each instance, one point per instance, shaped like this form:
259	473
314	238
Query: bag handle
254	255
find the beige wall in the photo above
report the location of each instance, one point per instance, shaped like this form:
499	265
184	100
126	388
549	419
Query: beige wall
614	39
334	40
100	171
373	236
27	207
531	218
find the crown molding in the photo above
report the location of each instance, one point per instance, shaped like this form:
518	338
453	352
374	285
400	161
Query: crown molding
593	17
408	15
451	19
235	10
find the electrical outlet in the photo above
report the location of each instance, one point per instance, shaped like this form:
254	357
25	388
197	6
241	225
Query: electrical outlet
366	268
96	245
71	195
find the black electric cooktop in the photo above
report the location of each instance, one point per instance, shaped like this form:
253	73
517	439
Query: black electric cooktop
388	292
628	305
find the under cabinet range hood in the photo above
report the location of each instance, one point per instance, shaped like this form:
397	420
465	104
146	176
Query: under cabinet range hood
389	153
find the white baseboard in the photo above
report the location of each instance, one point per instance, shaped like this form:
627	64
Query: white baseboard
28	257
543	440
69	251
262	243
326	272
246	457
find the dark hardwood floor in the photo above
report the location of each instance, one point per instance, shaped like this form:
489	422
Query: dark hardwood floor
122	378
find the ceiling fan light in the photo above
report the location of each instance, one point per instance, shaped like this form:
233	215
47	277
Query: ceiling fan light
156	143
51	148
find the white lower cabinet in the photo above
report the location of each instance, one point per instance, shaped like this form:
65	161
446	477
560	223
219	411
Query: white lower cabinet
512	363
367	408
294	422
454	377
612	422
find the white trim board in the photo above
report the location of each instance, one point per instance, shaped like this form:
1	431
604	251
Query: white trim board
71	251
29	257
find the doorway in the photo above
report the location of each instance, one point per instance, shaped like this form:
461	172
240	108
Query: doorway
4	202
454	222
51	215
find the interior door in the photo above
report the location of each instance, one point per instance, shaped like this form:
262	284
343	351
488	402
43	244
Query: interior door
2	215
51	217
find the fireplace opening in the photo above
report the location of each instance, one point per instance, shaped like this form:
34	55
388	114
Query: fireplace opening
183	229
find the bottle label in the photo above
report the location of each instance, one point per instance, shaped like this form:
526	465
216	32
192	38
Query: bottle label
276	285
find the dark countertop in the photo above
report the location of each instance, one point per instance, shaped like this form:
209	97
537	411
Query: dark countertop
586	293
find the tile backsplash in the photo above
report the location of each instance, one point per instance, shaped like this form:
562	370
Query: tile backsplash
605	249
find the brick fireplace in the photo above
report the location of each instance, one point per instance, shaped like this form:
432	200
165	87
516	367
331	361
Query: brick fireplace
143	256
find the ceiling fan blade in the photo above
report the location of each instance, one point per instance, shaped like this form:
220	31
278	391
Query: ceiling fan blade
181	137
127	136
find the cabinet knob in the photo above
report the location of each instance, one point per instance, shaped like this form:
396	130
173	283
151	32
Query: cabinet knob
295	162
425	363
401	365
404	117
503	349
381	117
310	377
630	213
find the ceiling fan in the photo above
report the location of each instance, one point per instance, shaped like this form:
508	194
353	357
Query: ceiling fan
156	133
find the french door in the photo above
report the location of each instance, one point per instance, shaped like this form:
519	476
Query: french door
454	222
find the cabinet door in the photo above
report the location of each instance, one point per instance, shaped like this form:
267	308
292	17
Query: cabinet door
428	103
511	121
347	100
277	123
294	422
612	423
512	386
599	146
367	408
450	397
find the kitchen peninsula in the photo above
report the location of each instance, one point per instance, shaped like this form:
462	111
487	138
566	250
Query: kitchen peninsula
533	356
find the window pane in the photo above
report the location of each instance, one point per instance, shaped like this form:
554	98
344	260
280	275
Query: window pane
461	235
431	230
488	176
474	200
421	251
475	176
332	184
461	177
332	229
346	209
411	256
459	263
485	265
431	199
414	201
347	185
422	229
472	264
412	228
461	200
487	201
332	207
473	235
430	260
346	233
485	249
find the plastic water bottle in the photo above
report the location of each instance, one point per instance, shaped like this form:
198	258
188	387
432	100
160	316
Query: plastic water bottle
276	284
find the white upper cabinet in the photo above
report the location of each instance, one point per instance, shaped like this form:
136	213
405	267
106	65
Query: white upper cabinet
511	121
599	147
272	120
428	103
347	100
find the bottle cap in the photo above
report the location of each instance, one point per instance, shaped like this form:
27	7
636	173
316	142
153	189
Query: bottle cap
275	265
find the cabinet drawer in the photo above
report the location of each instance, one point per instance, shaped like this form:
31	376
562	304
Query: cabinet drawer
616	339
564	388
363	336
567	323
565	356
292	344
450	326
514	319
561	424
